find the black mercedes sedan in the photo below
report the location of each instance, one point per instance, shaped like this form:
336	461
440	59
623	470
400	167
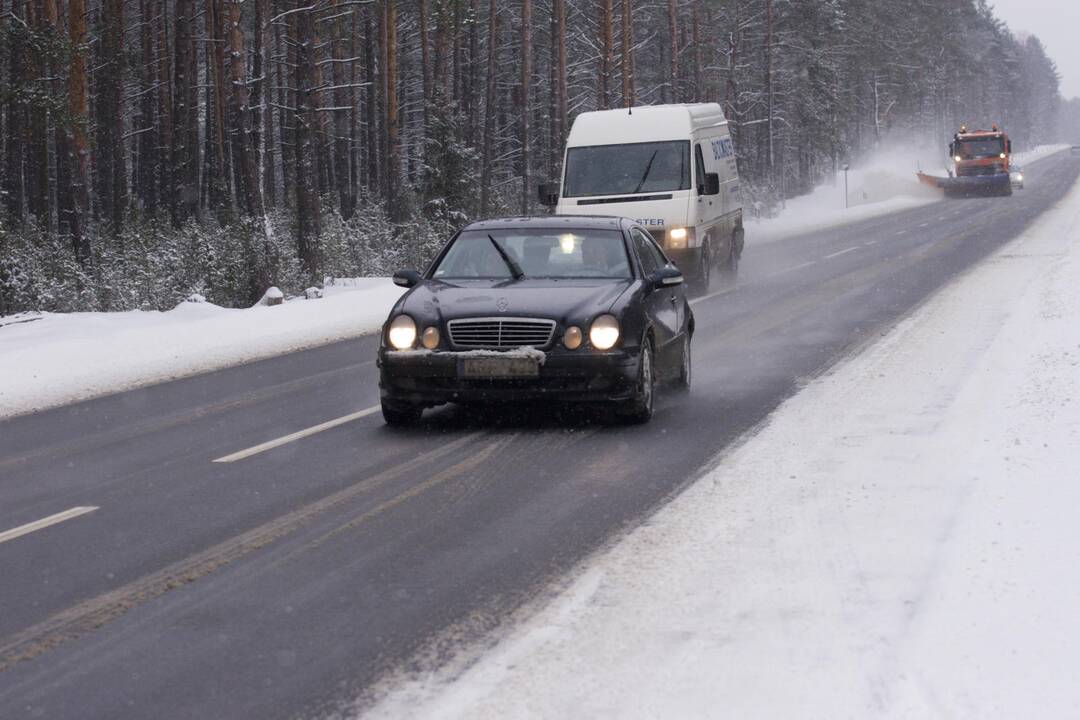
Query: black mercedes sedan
560	308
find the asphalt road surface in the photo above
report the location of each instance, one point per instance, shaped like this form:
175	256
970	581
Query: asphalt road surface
286	581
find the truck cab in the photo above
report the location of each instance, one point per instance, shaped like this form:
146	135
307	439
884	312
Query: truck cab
982	159
671	168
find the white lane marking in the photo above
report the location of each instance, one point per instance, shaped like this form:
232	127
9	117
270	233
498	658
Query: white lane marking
842	252
924	225
902	232
790	269
718	293
45	522
298	435
868	243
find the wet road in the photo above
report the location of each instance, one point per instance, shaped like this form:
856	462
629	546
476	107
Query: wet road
139	578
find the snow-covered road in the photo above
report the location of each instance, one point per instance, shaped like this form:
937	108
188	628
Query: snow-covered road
900	540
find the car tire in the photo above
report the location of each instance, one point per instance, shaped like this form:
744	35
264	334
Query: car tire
686	366
639	409
401	414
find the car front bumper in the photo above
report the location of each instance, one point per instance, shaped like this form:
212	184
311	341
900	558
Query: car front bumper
423	378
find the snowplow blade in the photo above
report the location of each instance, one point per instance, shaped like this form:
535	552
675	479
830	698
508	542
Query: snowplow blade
999	184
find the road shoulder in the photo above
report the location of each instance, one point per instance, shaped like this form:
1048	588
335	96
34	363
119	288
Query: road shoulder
898	541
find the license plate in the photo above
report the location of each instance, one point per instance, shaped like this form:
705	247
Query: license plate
497	367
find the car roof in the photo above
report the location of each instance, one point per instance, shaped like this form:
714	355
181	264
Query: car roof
552	222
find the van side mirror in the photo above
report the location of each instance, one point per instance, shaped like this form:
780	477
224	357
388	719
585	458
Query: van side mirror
548	194
712	183
407	278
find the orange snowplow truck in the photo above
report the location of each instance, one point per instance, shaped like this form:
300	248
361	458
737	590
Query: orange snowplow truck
982	162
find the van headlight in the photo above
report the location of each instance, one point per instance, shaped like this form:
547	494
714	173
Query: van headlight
677	237
402	333
604	332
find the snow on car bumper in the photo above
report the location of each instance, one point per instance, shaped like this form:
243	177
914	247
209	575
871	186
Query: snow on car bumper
433	378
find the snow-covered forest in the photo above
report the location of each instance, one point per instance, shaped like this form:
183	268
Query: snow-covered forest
156	148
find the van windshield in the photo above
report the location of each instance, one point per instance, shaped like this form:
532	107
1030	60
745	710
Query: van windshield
627	169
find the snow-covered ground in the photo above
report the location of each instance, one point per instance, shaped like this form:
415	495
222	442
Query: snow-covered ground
885	183
918	555
52	359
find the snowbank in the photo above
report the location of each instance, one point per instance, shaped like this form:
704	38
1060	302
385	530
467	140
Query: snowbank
917	556
55	359
882	185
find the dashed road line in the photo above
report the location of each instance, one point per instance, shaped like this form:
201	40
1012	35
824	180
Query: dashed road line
298	435
842	252
45	522
718	293
791	269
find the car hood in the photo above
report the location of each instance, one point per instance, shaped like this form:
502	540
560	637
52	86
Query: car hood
560	300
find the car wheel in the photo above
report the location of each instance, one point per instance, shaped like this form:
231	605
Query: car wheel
401	414
639	409
686	366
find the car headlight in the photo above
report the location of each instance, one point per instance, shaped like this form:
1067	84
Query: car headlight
430	337
604	332
957	158
402	333
572	337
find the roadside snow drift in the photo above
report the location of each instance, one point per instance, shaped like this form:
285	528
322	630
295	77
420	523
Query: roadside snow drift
917	555
53	359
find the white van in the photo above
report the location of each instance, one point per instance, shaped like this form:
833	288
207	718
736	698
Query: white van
670	168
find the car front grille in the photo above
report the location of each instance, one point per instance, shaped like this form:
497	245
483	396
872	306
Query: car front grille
501	333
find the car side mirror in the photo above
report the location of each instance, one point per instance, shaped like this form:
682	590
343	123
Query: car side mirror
712	184
407	278
667	276
548	194
1008	146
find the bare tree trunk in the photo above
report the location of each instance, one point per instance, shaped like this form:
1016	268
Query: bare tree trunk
110	167
185	105
251	189
344	97
558	89
15	137
607	62
526	104
769	85
425	56
700	92
217	170
145	174
627	59
372	131
261	104
307	171
673	44
489	108
79	110
392	141
37	165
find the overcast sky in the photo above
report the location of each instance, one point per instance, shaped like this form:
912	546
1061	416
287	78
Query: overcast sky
1056	23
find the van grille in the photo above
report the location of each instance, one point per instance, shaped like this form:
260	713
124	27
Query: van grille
501	333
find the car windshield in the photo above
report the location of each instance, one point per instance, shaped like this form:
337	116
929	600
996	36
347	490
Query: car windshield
541	253
979	148
628	169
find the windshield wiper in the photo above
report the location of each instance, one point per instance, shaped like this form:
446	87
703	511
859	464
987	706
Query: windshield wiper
648	169
515	269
